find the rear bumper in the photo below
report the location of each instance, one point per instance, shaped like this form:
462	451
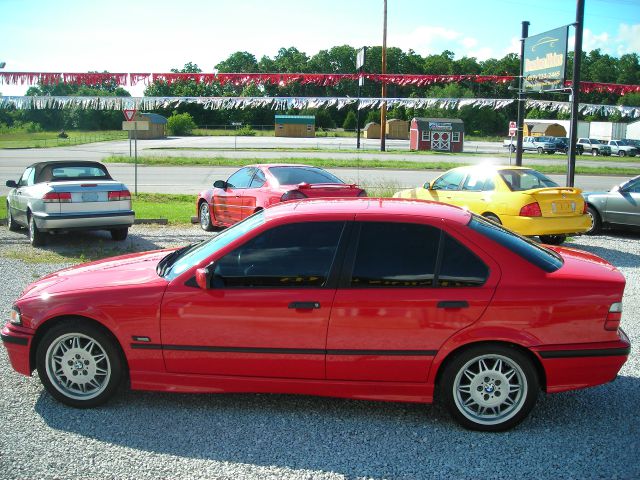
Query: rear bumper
46	221
18	344
570	367
547	225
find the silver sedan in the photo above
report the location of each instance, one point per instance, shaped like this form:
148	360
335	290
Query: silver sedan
618	207
59	196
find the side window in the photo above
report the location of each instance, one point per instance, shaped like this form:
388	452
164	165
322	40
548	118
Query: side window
289	256
242	178
395	255
426	135
455	137
27	177
474	183
460	266
258	179
448	181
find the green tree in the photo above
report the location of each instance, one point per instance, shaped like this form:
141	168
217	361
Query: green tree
180	124
350	121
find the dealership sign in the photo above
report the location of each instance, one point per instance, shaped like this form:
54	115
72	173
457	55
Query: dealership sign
545	59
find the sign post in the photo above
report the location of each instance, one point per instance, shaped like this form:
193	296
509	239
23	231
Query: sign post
129	114
360	59
134	126
513	131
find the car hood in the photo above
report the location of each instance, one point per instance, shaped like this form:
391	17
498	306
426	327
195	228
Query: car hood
125	270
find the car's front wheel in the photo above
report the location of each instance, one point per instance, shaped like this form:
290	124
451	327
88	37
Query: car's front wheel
79	364
553	239
205	217
489	387
594	152
36	237
621	153
596	222
540	150
11	223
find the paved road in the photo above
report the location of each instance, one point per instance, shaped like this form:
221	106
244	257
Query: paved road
194	179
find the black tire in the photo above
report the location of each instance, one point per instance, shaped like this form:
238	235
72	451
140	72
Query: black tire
493	218
489	388
11	223
119	234
36	237
540	150
79	364
553	239
512	148
205	217
596	221
621	153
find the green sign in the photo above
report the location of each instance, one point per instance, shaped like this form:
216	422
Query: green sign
545	59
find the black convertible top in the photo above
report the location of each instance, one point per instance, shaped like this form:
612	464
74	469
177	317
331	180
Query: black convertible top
44	170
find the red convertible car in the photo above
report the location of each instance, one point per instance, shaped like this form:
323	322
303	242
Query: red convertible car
380	299
257	186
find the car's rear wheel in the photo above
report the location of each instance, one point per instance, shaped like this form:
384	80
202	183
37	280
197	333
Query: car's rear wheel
36	237
205	217
489	387
493	218
11	223
553	239
594	152
596	222
540	150
119	233
621	153
79	364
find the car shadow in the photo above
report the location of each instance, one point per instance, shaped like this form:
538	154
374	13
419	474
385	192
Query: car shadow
616	257
360	438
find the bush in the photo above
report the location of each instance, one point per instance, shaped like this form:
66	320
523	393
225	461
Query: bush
350	121
180	124
246	131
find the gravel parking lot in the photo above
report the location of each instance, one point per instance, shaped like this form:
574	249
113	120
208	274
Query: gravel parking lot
594	433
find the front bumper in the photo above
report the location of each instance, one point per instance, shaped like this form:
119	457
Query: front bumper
17	341
530	226
98	220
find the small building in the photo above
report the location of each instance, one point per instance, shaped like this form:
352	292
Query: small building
442	134
372	130
534	129
295	126
157	126
397	129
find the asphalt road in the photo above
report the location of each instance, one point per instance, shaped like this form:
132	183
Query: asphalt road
192	180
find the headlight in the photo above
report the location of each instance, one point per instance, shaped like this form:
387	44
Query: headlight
16	318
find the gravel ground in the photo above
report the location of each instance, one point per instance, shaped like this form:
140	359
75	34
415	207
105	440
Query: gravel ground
594	433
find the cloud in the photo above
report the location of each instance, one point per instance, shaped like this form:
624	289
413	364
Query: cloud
628	39
625	40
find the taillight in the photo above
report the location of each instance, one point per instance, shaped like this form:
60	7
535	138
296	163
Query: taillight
119	195
57	197
363	193
292	195
584	208
612	322
531	210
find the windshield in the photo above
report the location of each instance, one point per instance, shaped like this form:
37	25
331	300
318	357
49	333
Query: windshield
519	180
296	175
197	253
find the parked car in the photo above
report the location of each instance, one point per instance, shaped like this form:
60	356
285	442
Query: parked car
619	207
521	199
623	148
562	144
257	186
377	299
592	146
532	144
59	196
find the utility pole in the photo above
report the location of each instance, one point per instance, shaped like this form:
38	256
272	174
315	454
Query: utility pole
575	93
383	108
521	96
360	61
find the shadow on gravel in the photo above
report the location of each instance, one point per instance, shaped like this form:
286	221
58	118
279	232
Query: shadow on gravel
569	435
614	256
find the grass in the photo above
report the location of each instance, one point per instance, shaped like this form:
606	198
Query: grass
50	139
221	161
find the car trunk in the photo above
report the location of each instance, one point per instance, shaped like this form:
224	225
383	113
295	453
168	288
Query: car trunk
317	190
91	196
558	201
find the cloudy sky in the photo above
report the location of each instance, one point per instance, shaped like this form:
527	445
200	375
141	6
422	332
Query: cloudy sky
157	35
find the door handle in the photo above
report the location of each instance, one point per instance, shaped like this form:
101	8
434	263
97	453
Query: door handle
453	304
304	305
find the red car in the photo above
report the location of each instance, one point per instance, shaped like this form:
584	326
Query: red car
380	299
257	186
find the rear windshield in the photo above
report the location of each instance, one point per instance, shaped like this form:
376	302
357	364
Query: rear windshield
62	173
541	257
296	175
518	180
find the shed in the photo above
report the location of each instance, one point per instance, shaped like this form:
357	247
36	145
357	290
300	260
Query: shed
397	129
443	134
535	129
157	126
372	130
295	126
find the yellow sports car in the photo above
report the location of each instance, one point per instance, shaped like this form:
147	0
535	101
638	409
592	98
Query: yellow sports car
519	198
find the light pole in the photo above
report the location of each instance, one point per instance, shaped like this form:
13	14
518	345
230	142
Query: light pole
383	108
3	64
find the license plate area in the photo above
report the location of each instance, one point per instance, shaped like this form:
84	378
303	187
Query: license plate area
89	196
563	206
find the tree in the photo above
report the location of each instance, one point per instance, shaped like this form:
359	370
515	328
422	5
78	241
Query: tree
350	121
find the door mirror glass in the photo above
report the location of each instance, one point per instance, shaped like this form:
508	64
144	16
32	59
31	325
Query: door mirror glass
220	184
427	186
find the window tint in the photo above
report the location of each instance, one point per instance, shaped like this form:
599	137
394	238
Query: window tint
460	266
448	181
296	175
258	179
242	178
395	255
519	180
294	255
546	259
632	186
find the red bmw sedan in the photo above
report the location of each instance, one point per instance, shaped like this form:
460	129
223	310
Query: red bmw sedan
380	299
257	186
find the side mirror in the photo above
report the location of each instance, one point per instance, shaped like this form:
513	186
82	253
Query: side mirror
220	184
11	184
204	276
427	186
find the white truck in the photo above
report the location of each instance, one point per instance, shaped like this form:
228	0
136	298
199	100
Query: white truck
531	144
592	146
623	148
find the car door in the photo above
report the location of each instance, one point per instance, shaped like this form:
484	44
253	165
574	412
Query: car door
227	202
267	312
19	198
446	187
408	287
254	195
623	205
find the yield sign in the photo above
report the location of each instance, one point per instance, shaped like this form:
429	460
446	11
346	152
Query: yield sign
129	114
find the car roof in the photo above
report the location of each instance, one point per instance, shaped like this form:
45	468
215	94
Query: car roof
390	207
40	166
270	165
489	168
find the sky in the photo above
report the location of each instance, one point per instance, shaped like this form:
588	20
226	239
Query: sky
153	36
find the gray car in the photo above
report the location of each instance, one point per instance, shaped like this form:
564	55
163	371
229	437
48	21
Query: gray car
60	196
618	207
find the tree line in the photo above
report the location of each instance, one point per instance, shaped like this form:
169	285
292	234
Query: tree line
596	67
